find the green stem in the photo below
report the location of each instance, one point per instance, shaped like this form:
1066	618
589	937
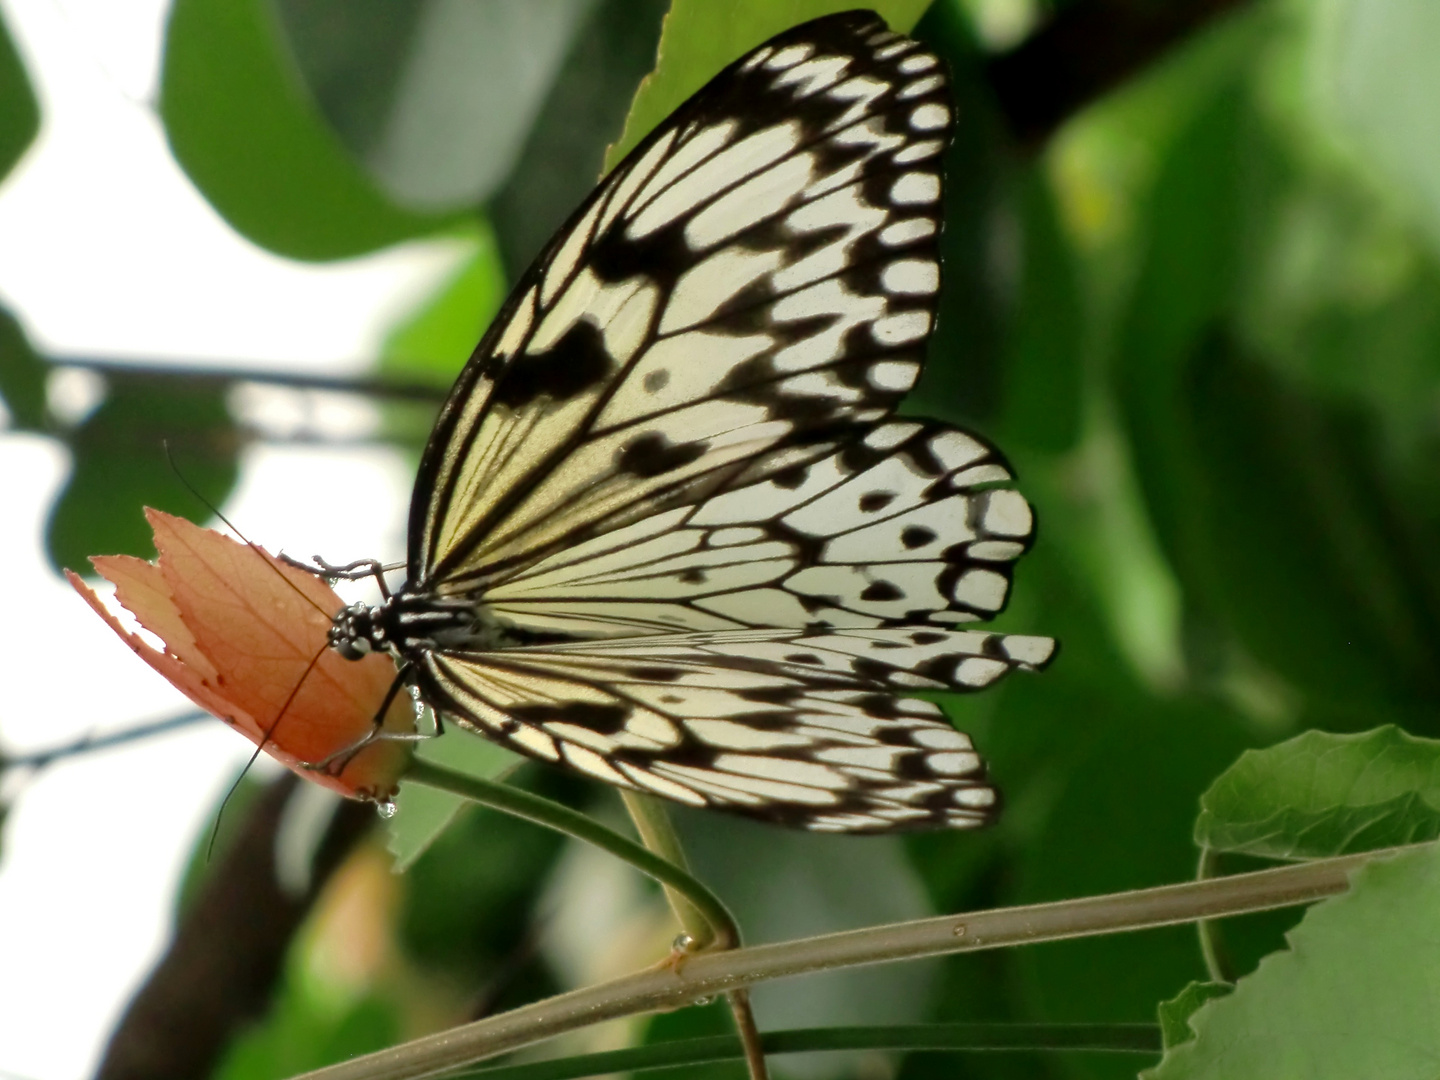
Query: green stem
552	815
653	823
656	830
1094	1038
1212	947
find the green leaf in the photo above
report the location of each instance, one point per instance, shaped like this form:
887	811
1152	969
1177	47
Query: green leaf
1319	795
421	812
120	466
581	117
436	98
435	340
1355	995
1374	73
1175	1014
22	378
700	37
242	127
19	112
1273	506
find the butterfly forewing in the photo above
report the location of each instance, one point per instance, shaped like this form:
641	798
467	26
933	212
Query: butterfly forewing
761	272
794	727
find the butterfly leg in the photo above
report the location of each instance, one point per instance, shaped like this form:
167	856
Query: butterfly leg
355	571
334	764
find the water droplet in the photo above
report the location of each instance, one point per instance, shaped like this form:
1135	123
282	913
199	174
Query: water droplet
683	943
703	1001
386	809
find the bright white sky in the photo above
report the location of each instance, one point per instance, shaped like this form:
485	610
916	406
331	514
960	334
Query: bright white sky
106	249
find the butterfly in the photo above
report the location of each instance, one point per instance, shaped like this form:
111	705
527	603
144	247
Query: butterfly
668	531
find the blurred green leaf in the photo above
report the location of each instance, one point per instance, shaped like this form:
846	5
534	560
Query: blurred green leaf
437	338
701	37
22	377
1375	76
1355	995
1320	794
1272	506
242	127
119	466
435	97
422	813
304	1031
19	112
470	906
1043	361
1175	1014
584	111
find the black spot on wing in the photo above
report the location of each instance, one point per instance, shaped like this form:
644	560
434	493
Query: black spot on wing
605	719
653	454
881	591
916	536
656	674
876	500
576	363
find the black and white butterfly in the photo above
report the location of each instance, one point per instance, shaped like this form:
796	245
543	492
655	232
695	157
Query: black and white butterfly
667	531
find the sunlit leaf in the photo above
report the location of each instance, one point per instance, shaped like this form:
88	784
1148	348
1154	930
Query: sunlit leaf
1354	995
701	37
1321	794
436	98
242	127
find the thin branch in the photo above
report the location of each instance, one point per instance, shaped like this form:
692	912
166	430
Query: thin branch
716	973
1087	49
38	759
369	386
1091	1038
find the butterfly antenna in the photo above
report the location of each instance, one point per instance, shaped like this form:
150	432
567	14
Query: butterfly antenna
170	457
260	746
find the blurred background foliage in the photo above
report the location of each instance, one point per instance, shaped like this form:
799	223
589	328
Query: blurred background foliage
1201	315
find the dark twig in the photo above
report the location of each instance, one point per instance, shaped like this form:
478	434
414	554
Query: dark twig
228	950
1086	50
38	759
369	386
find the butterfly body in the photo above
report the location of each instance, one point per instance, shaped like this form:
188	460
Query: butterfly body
667	531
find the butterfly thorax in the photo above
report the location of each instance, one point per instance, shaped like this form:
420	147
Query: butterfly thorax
410	622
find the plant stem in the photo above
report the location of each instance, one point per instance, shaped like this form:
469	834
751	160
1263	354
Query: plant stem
38	759
658	833
552	815
1093	1038
719	972
653	823
1212	948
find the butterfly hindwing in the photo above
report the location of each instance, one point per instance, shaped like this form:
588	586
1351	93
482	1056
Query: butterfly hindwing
913	523
760	272
807	729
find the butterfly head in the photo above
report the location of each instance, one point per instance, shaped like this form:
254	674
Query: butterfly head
358	630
